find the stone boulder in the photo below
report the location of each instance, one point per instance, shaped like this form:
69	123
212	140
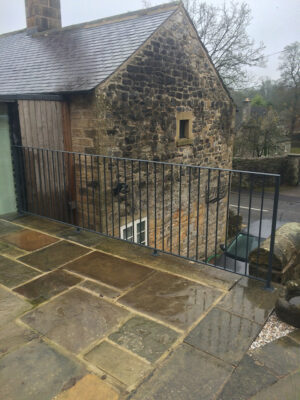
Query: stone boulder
285	257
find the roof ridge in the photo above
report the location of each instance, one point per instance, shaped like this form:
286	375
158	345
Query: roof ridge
117	18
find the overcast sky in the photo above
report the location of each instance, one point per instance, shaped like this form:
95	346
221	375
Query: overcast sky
275	22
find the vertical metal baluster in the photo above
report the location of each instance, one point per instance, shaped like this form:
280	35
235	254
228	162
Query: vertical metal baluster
93	193
261	215
125	203
273	232
59	187
112	199
80	191
207	213
237	220
155	244
52	213
40	191
67	208
87	191
163	206
29	170
38	205
132	199
74	217
179	216
99	194
55	200
189	214
118	184
171	210
105	195
249	222
198	210
45	187
217	216
227	214
140	199
147	200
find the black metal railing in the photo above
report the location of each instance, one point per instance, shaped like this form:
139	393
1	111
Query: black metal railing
184	210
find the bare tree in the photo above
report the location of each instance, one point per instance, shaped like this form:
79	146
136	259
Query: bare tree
223	31
290	77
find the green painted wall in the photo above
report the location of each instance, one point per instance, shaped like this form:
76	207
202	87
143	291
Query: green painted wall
7	189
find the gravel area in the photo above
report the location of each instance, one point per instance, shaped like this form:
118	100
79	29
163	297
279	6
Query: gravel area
273	329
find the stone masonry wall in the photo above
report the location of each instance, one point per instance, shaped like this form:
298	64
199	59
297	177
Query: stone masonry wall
133	114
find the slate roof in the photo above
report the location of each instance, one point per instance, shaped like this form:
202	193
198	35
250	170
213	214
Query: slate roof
72	59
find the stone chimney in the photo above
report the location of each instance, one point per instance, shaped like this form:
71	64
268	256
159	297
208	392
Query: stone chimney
43	14
246	110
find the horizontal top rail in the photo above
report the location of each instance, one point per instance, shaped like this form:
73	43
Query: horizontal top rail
151	161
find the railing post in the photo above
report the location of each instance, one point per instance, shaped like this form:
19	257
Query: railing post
17	178
273	233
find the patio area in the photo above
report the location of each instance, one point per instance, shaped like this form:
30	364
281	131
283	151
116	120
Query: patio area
88	317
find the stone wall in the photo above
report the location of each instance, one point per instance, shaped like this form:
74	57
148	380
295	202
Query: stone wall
133	114
287	166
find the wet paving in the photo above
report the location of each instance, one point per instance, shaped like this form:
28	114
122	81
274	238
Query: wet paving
75	319
35	372
171	299
13	273
146	338
125	367
53	256
28	240
115	272
147	327
47	286
224	335
249	300
187	374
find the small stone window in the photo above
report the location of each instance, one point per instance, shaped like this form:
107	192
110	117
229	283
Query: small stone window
184	128
184	122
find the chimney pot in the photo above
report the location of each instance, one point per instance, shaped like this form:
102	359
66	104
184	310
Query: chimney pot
43	14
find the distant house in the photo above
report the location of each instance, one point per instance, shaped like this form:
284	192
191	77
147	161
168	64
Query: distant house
138	85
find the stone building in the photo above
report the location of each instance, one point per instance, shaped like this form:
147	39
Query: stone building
140	86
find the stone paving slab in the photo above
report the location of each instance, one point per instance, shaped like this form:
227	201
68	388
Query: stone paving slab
125	367
13	335
188	374
113	271
75	319
144	337
287	388
295	335
47	286
6	227
53	256
13	273
171	299
224	335
248	299
7	249
39	223
29	240
100	290
247	380
90	387
82	237
11	306
188	269
36	372
282	356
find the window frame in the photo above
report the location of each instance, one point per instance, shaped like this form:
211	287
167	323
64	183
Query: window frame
136	222
187	117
